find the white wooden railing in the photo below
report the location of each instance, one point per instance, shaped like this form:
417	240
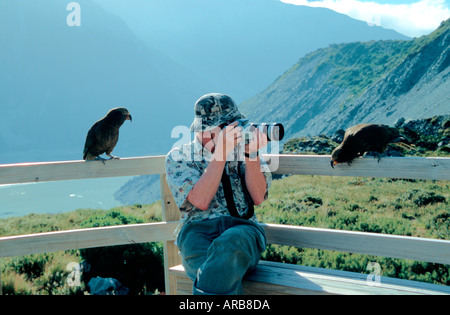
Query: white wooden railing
430	250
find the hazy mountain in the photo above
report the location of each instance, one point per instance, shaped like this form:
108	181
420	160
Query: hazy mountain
240	46
57	80
346	84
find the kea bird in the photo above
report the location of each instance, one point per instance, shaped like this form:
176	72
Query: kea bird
366	138
104	134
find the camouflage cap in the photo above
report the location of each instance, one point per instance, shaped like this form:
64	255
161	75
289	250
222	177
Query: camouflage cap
212	110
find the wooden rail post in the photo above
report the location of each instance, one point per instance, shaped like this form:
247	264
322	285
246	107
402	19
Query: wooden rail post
170	212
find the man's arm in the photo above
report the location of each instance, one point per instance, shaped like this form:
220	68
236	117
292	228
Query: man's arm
255	180
205	189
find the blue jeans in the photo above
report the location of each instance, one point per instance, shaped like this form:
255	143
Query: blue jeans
217	253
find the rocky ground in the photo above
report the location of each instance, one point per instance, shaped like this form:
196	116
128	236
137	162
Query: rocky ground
430	136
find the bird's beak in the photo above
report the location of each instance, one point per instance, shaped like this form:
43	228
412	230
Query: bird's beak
333	163
128	117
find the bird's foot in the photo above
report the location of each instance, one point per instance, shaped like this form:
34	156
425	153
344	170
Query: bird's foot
113	157
99	158
379	156
376	155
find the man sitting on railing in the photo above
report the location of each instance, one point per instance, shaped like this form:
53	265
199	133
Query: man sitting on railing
216	188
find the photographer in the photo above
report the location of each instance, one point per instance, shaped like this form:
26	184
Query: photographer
220	239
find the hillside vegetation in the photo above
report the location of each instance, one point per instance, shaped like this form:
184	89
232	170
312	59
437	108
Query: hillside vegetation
361	82
399	207
139	267
430	137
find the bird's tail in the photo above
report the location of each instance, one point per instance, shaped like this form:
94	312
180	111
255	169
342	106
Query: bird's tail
88	157
405	146
404	143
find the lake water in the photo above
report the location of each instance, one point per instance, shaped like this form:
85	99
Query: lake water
57	197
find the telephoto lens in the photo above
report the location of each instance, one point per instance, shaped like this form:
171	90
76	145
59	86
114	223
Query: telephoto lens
273	131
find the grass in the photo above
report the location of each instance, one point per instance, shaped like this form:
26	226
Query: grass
38	223
401	207
393	206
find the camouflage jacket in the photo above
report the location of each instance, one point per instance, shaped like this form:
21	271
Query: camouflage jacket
185	166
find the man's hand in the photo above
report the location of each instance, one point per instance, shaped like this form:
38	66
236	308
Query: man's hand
258	142
227	140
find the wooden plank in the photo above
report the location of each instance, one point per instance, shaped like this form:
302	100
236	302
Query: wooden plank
86	238
183	286
71	170
287	279
417	286
389	167
266	288
252	285
403	247
327	281
411	168
170	212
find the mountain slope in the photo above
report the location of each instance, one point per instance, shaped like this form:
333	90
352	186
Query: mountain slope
346	84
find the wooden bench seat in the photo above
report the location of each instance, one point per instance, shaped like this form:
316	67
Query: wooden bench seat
272	278
277	278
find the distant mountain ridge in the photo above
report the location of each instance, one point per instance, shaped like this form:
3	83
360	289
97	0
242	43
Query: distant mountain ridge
240	45
342	85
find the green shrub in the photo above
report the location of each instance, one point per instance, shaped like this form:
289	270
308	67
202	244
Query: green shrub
15	284
427	198
139	267
31	267
110	218
42	274
440	225
423	198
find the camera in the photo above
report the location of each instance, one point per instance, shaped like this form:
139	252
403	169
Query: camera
273	131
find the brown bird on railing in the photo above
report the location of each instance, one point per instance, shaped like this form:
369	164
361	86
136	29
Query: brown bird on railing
364	138
104	134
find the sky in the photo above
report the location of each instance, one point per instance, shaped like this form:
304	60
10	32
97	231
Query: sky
413	18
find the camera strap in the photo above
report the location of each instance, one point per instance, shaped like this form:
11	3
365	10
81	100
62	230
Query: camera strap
228	190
